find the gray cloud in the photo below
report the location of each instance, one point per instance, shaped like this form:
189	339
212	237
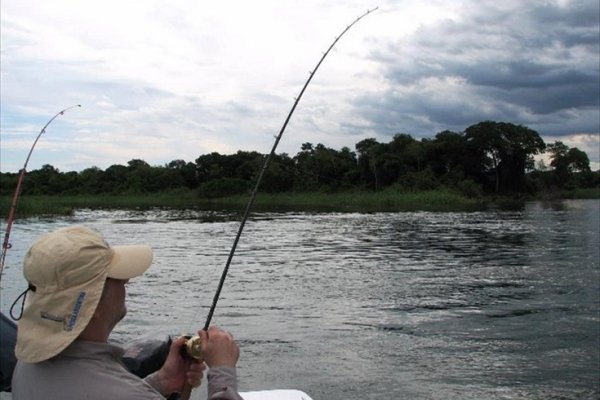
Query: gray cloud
172	84
524	62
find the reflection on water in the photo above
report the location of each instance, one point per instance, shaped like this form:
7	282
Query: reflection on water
483	305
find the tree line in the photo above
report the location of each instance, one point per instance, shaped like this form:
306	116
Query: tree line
487	158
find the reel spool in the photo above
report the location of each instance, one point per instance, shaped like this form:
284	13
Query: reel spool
193	347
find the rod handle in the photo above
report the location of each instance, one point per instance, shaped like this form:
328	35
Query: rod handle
186	392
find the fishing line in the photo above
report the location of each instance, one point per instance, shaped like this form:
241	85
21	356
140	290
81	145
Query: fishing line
11	213
263	169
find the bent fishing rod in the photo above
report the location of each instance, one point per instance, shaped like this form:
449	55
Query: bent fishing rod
193	344
13	206
264	167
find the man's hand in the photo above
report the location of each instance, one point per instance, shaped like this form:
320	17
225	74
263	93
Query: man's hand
178	370
218	348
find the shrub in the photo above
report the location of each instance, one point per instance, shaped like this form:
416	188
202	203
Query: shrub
223	187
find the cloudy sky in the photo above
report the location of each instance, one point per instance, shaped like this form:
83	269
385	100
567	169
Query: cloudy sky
166	80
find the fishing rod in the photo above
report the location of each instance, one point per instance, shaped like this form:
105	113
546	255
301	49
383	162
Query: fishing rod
193	344
193	347
11	213
264	167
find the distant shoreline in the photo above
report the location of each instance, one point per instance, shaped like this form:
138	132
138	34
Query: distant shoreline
354	201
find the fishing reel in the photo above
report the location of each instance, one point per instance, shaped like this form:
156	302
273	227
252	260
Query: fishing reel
193	347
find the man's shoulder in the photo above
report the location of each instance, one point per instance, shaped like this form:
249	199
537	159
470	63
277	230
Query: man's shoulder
70	376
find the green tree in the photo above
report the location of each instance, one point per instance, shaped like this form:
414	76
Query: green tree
446	153
505	150
322	168
399	157
45	180
568	163
116	178
208	166
307	176
92	181
369	152
140	177
186	171
279	176
8	183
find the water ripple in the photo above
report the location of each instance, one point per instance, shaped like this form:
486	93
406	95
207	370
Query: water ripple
492	305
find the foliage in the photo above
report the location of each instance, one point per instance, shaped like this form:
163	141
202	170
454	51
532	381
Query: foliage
571	166
489	158
504	150
222	187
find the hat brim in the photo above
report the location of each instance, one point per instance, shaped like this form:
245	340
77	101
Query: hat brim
129	261
74	306
47	316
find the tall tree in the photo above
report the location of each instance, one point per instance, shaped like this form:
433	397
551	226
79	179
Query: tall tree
369	151
445	153
187	172
507	149
567	162
93	181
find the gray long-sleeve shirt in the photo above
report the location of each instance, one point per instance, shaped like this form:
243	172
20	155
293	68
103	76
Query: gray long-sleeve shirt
93	371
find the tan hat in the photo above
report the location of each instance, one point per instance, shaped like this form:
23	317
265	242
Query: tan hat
66	270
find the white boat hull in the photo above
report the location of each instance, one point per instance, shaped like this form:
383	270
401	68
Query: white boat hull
275	395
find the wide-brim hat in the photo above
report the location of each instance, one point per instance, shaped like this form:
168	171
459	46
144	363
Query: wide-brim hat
66	270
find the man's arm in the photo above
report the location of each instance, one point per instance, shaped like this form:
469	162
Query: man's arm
222	384
221	354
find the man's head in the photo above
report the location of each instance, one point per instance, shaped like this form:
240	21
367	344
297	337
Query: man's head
67	270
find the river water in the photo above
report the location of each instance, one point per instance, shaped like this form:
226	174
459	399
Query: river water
415	305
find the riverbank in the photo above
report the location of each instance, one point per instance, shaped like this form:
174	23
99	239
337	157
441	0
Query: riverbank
356	201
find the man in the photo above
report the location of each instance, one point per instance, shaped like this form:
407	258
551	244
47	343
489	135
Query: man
76	297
